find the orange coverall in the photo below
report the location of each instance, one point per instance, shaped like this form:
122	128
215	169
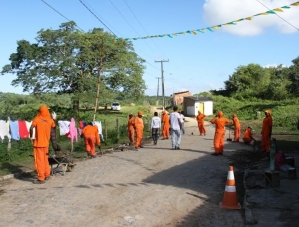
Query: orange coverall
165	122
201	123
247	137
131	130
91	136
139	131
267	131
43	123
219	132
237	128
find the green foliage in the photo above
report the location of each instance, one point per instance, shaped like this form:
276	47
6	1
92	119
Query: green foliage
111	137
293	87
15	159
254	81
285	113
66	60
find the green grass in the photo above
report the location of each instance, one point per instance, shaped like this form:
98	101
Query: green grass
285	115
19	157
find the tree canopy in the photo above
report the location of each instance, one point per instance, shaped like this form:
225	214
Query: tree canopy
255	81
67	60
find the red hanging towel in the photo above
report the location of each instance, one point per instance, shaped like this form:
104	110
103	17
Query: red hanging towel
23	131
81	124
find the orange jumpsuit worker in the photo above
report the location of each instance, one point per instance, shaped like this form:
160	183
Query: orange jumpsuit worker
267	131
42	124
139	126
220	123
165	122
237	128
130	126
201	123
247	137
91	136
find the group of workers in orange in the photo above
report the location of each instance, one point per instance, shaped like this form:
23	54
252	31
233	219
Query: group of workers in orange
220	123
40	130
135	127
43	122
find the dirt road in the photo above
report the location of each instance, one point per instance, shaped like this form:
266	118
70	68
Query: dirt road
155	186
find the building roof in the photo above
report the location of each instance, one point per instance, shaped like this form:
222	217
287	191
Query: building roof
182	92
199	98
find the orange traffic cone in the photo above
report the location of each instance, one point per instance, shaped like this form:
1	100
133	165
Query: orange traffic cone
230	194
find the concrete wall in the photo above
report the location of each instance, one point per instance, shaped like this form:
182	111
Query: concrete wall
178	98
191	107
208	108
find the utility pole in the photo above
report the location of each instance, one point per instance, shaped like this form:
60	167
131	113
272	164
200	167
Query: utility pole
157	102
162	77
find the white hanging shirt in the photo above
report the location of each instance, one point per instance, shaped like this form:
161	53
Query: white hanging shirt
3	130
64	127
99	124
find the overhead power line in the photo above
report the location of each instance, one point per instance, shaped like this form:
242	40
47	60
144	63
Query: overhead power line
132	28
81	28
279	16
96	17
60	14
142	26
107	23
89	9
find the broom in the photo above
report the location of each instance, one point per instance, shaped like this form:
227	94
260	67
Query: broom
193	131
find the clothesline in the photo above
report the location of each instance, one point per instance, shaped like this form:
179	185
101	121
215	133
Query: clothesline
18	129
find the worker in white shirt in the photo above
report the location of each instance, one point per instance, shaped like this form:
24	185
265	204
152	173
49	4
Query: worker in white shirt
155	127
175	129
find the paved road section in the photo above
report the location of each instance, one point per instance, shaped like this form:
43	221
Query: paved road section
154	186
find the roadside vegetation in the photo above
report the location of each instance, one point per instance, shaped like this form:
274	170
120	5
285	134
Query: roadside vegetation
25	107
75	72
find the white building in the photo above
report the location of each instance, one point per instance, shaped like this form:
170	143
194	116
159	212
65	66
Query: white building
194	104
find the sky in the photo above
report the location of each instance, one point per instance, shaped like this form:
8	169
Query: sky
193	62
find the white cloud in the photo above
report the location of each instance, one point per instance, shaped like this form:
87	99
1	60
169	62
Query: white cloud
217	12
274	65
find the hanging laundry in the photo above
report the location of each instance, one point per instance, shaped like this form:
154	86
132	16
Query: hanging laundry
4	131
14	130
81	124
7	123
23	131
28	124
64	127
73	131
99	124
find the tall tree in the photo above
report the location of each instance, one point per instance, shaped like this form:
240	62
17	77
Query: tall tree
277	89
248	81
293	87
67	61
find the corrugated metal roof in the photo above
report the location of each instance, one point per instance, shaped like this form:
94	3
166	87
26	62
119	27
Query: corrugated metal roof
199	98
181	92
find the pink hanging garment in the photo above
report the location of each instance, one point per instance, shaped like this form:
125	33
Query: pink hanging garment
73	131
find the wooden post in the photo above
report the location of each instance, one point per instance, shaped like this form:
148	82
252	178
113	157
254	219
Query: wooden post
8	145
149	123
105	127
72	147
117	128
